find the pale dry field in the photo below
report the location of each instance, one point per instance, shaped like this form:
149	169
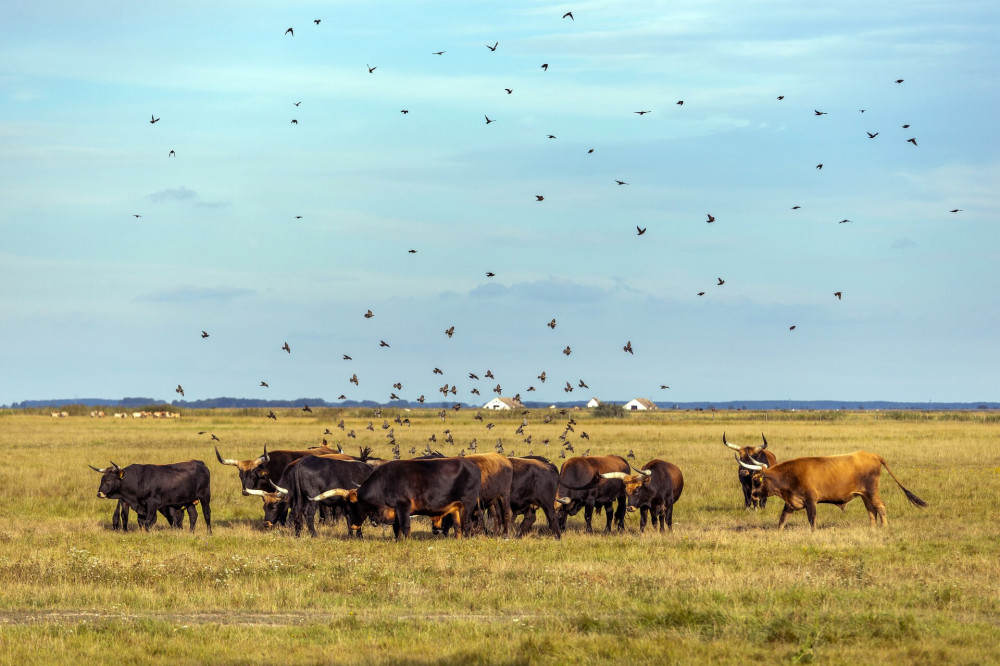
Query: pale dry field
724	586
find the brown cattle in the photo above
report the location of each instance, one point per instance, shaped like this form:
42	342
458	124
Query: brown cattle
497	474
654	488
805	482
751	455
581	477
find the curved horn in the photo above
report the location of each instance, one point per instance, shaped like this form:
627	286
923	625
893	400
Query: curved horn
563	500
277	488
224	461
764	445
102	471
333	492
263	460
614	475
115	466
732	446
644	472
755	468
258	493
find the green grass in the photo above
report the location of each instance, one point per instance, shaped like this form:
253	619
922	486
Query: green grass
724	586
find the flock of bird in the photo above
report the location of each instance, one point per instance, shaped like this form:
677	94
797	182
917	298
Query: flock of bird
450	389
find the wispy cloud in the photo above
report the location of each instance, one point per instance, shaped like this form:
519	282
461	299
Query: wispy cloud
191	294
173	194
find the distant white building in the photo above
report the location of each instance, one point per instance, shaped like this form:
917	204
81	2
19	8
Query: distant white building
594	402
502	403
639	404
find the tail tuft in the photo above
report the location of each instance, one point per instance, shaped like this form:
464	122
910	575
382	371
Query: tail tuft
914	500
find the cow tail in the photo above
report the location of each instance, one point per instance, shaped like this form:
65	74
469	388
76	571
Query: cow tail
914	500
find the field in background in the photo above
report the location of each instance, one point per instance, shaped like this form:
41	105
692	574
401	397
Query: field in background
725	586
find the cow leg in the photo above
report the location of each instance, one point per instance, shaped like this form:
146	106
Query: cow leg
121	509
553	517
787	511
811	513
527	523
588	516
620	513
309	512
667	513
870	507
747	500
642	518
403	519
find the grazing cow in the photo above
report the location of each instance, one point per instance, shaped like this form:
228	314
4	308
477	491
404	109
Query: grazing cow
311	475
654	488
121	415
256	473
174	516
751	455
805	482
149	488
433	487
581	476
534	487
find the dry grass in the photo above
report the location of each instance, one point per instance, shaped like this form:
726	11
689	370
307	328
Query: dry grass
725	586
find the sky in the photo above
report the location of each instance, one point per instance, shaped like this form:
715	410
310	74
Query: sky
260	230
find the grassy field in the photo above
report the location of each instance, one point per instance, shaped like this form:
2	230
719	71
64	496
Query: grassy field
725	586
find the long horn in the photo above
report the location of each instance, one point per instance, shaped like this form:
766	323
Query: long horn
264	458
116	467
334	492
258	493
755	468
614	475
644	472
732	446
102	471
563	500
764	445
277	488
224	461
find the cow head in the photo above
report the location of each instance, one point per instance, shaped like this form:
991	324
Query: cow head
747	454
275	505
637	490
357	512
760	485
253	473
111	481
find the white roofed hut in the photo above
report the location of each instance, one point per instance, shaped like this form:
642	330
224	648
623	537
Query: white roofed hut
502	403
639	404
594	402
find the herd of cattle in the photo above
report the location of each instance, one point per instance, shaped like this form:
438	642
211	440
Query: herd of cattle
467	493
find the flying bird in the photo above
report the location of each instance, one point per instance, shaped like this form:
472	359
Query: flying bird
590	151
404	111
642	113
171	154
701	293
844	221
542	376
838	294
179	389
136	215
640	230
489	374
819	166
955	210
545	66
905	126
680	102
488	119
792	327
383	343
204	334
551	136
796	207
412	251
711	218
270	415
871	136
294	121
552	324
286	348
450	331
509	90
583	384
370	68
539	197
438	53
621	182
316	21
264	384
569	15
567	351
296	103
628	347
369	314
913	141
664	386
398	386
305	408
153	119
781	97
491	274
437	371
899	80
290	32
346	357
819	113
721	282
494	47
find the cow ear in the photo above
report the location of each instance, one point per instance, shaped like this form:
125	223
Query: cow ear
121	473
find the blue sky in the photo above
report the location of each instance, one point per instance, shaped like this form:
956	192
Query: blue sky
98	303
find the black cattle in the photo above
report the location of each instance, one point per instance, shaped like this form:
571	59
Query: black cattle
275	508
433	487
309	477
654	488
149	488
581	477
534	487
174	516
256	474
751	455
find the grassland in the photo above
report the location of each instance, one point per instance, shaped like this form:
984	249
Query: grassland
725	586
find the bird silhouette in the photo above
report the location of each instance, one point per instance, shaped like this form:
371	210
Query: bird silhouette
383	343
214	438
721	282
955	210
680	102
545	66
393	396
136	215
404	111
567	351
296	103
590	151
369	314
412	251
437	371
552	324
791	328
171	154
664	386
294	121
204	334
871	136
305	408
621	182
781	97
845	221
153	119
354	379
509	90
551	136
473	375
819	113
913	141
899	80
711	218
286	348
569	388
179	389
450	331
370	68
541	377
628	347
838	294
796	207
488	119
271	415
438	53
905	126
642	113
421	399
701	293
398	386
347	358
583	384
640	230
264	384
290	32
494	47
630	455
819	166
569	15
539	197
474	391
490	274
